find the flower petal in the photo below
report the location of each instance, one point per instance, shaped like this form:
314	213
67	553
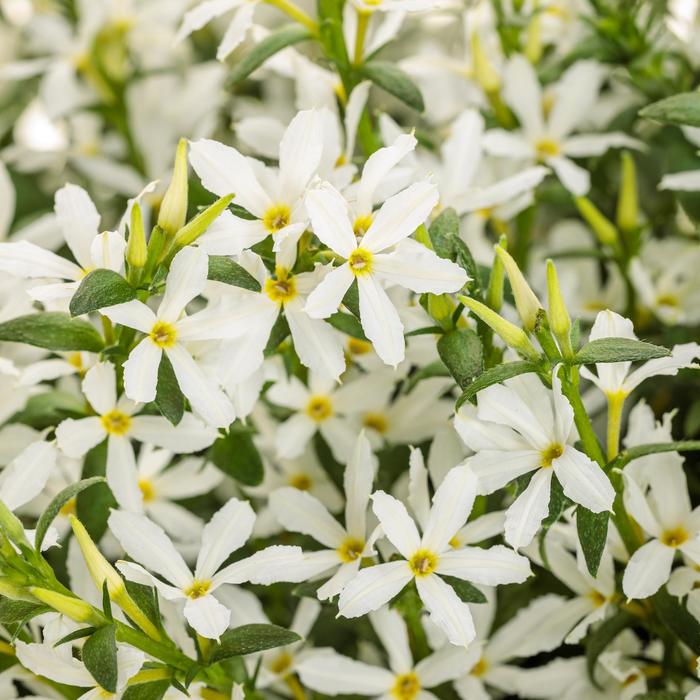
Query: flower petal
328	212
380	321
584	481
647	570
207	616
446	609
524	517
397	524
372	588
491	567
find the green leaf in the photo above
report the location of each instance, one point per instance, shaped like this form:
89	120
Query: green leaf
682	109
348	324
592	529
618	350
248	639
397	83
52	330
170	400
236	455
48	409
147	691
99	655
351	300
632	453
603	635
675	616
18	610
99	289
52	510
269	46
443	231
495	375
467	592
462	354
223	269
278	334
75	634
660	695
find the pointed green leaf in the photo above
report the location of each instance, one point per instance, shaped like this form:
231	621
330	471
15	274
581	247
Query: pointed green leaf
236	455
99	289
170	400
223	269
17	610
100	657
466	591
462	354
249	639
592	529
618	350
391	78
682	109
52	330
494	375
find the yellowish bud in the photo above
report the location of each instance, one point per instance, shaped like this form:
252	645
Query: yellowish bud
603	228
10	589
559	319
494	294
74	608
627	202
441	307
526	301
136	251
533	41
189	233
12	526
173	208
512	336
484	72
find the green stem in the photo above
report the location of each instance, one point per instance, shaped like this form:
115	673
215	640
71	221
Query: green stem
296	13
363	18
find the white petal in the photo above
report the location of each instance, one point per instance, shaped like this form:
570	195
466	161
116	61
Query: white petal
638	506
100	387
444	665
145	542
575	96
572	176
121	474
137	574
491	567
446	609
647	570
76	437
294	435
597	144
207	616
681	356
397	524
328	212
372	588
507	144
44	660
494	469
300	152
357	482
584	481
185	281
340	579
380	321
269	565
400	216
326	671
202	14
522	92
141	371
177	521
25	259
26	475
231	235
228	530
390	627
79	221
326	298
524	517
240	24
132	314
107	251
685	181
189	435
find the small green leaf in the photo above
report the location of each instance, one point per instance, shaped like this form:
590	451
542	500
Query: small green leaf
92	507
236	455
494	375
100	657
397	83
99	289
443	231
223	269
279	333
632	453
269	46
351	300
17	610
682	109
76	634
462	354
52	330
147	691
52	510
249	639
170	400
618	350
603	635
675	616
592	529
466	591
348	324
49	409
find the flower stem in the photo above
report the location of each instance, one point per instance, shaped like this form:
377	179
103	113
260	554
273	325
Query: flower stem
296	13
360	34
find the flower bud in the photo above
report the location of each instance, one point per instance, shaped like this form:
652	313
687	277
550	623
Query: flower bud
627	203
533	41
494	294
441	308
526	301
189	233
12	526
601	225
173	208
101	570
559	319
484	72
70	606
136	251
512	336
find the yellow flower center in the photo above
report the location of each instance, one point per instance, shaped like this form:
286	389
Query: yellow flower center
406	687
554	451
357	346
351	549
485	213
163	334
597	598
281	663
116	422
675	537
423	562
361	224
281	289
360	262
198	589
376	421
319	408
147	490
276	217
668	299
546	148
302	482
480	667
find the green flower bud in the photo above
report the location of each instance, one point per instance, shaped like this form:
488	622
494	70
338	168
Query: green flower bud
173	208
136	251
189	233
74	608
601	225
484	72
526	301
559	319
627	203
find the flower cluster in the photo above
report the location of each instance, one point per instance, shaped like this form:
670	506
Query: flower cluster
349	349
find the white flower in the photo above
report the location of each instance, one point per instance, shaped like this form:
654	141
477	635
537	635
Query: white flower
79	222
227	531
149	486
326	671
383	254
520	427
273	196
426	558
115	421
665	514
547	139
298	511
615	378
166	332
